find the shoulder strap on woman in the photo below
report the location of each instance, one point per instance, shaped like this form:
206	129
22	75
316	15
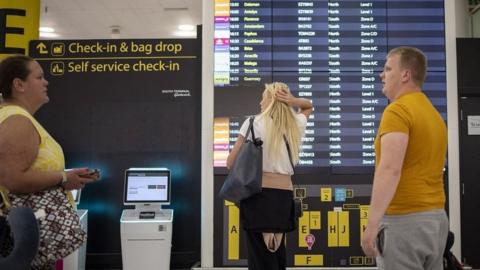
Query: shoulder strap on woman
289	153
250	128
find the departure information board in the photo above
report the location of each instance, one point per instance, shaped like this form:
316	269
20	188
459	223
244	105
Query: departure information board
331	52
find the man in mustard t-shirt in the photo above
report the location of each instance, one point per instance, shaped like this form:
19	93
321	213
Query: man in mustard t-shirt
407	225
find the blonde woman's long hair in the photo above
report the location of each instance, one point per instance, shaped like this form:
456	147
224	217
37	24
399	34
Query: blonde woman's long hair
280	120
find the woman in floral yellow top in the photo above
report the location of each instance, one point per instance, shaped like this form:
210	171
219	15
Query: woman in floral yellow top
30	159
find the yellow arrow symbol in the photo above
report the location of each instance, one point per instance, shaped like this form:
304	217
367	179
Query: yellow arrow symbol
41	48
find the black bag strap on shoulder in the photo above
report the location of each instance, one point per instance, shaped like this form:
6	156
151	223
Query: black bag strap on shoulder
256	141
297	200
250	129
289	153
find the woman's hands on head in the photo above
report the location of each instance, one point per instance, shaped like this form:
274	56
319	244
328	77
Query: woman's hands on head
285	97
78	178
304	105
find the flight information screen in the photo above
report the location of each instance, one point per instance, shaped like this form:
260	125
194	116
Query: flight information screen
331	52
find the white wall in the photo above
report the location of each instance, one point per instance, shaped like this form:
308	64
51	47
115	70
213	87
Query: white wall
475	24
207	135
462	19
456	25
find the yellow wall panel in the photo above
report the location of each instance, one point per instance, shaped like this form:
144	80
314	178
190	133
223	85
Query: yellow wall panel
303	228
315	220
363	225
229	203
364	211
233	233
22	14
308	260
344	229
332	229
326	194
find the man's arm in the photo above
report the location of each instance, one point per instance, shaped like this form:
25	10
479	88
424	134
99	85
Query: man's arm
385	182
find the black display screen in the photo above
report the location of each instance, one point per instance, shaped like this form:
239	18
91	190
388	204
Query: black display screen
331	52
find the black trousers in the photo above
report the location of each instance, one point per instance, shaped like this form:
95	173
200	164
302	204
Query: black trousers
259	257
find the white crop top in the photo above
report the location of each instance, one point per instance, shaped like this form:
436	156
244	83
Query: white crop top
282	163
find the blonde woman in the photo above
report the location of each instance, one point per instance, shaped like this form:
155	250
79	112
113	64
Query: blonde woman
267	216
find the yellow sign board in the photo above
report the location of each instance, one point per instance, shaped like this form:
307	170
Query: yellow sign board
233	233
303	228
326	194
19	22
338	229
308	260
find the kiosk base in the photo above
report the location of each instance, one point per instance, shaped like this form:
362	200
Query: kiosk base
146	242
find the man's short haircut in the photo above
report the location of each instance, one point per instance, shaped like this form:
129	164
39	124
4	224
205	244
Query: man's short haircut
413	59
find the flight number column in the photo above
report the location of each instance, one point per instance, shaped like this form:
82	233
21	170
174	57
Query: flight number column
300	59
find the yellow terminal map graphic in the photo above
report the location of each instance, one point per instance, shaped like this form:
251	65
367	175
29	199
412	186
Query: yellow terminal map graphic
320	232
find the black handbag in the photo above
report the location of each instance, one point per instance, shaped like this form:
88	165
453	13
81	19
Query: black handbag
297	202
245	178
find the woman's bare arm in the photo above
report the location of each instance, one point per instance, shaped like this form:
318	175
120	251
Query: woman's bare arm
19	141
233	154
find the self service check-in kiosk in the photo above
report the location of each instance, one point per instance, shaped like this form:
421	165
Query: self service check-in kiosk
146	231
76	260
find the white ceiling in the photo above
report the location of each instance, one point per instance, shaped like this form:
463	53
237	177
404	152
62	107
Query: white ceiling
92	19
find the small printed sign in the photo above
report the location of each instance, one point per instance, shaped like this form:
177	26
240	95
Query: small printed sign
473	122
340	194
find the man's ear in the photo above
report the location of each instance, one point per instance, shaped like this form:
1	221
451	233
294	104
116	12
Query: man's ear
17	85
406	75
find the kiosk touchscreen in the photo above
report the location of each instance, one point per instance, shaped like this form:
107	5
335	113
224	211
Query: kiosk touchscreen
147	190
146	231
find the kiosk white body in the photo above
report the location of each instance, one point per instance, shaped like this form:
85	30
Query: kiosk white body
146	231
